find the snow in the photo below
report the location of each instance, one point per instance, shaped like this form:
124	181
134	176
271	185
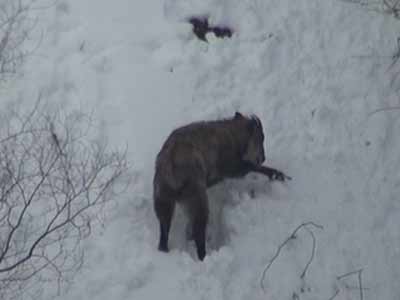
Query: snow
313	71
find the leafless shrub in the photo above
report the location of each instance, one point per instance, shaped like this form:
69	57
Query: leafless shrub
390	7
54	183
16	26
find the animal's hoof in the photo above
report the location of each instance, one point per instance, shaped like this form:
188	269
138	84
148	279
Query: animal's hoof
279	176
163	248
201	254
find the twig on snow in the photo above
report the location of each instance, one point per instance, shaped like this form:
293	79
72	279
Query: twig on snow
335	294
390	108
312	253
291	237
395	56
360	285
348	274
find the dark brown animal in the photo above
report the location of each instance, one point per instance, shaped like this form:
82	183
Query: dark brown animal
199	155
201	28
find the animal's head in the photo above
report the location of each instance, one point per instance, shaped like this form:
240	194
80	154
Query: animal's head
254	150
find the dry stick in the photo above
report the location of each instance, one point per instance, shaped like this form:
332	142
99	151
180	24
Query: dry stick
334	295
349	287
383	109
348	274
396	56
312	253
292	236
360	286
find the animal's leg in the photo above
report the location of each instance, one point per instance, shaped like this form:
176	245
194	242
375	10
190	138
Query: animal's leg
273	174
164	210
197	204
199	234
189	231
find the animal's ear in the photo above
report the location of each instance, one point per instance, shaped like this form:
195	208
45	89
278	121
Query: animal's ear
238	115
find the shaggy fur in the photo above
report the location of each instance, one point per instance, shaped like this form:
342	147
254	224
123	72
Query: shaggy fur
199	155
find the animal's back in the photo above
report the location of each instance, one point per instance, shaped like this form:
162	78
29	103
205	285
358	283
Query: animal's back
196	151
197	156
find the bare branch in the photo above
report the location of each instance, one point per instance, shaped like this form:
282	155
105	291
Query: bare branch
335	294
16	27
291	237
360	284
312	253
54	181
390	7
348	274
359	277
392	108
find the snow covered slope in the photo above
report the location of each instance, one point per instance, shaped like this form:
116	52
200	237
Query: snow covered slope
312	70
